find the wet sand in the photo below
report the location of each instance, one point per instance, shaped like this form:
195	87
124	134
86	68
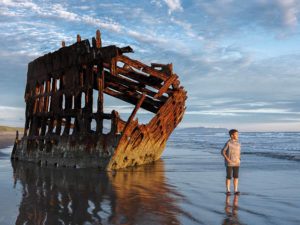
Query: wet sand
7	139
185	187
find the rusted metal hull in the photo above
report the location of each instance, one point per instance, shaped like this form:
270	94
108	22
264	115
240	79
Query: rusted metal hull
60	113
142	144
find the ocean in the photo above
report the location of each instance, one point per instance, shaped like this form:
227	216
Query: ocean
186	186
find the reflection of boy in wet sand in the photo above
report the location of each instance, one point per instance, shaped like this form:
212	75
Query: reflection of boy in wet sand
231	211
232	155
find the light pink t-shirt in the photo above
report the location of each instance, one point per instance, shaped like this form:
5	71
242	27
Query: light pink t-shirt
233	151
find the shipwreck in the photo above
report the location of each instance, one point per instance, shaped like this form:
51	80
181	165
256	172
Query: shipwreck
60	110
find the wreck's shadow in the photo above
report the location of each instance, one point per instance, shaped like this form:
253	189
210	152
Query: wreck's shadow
87	196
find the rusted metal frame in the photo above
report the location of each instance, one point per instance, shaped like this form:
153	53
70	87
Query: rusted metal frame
89	110
131	85
132	115
36	99
130	99
165	68
133	93
125	79
81	81
52	106
168	120
169	66
175	107
59	96
127	92
77	108
68	104
41	99
63	113
166	86
54	85
58	125
171	105
140	66
114	122
47	96
82	119
141	78
77	100
89	100
113	66
120	125
136	108
99	85
27	118
44	94
43	126
63	122
106	116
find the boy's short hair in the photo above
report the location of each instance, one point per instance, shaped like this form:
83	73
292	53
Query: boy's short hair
232	131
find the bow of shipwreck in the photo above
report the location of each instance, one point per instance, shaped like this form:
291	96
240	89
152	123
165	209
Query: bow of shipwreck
60	112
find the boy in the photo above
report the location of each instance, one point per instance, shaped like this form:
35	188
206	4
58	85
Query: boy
232	155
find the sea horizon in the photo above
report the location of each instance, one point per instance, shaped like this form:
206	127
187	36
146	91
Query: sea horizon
180	127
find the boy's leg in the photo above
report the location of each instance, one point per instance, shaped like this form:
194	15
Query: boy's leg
235	178
228	177
235	184
227	185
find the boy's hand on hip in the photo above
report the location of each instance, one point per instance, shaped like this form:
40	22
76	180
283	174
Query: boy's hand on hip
229	161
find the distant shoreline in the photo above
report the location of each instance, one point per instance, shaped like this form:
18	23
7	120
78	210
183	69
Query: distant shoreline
225	130
7	135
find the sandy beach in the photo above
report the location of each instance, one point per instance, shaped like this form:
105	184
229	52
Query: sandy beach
185	187
7	138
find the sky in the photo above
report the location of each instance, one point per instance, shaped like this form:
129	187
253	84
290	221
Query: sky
238	60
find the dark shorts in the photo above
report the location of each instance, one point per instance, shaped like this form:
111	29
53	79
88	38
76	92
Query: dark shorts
232	170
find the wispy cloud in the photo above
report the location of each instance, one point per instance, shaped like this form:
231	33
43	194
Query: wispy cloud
235	111
60	11
174	5
290	11
11	113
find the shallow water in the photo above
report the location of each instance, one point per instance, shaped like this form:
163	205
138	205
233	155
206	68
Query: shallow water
185	187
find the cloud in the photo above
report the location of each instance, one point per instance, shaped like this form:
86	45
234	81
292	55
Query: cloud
11	113
237	111
280	16
60	11
157	3
112	26
146	38
174	5
290	9
188	29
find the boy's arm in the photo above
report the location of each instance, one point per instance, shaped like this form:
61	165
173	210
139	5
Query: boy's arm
224	150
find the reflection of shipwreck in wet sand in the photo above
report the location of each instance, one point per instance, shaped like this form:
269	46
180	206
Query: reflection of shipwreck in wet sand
67	196
60	113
